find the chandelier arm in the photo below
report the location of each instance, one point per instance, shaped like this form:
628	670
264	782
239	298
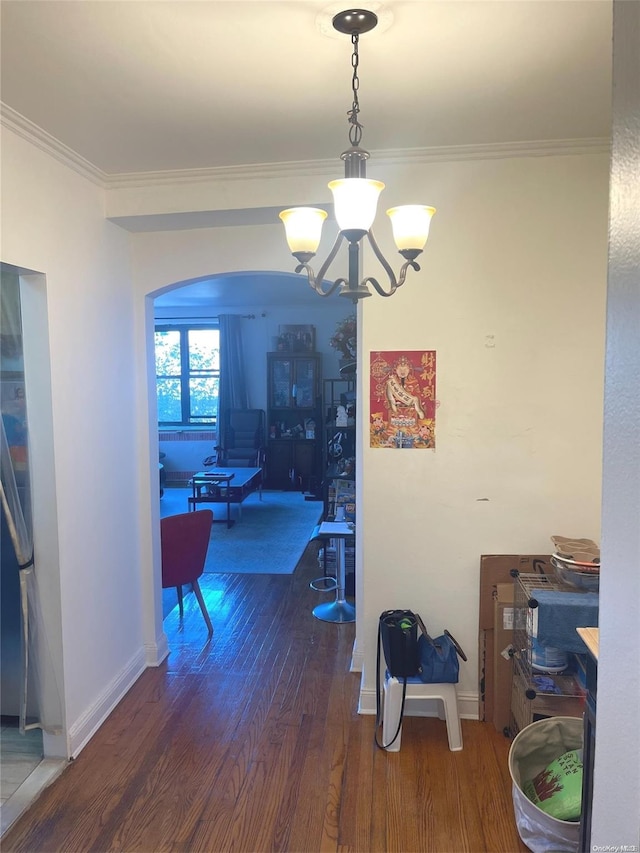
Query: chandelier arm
316	280
316	283
334	251
385	264
393	281
378	287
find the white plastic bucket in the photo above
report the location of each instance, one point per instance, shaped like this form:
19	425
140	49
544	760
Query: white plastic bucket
533	749
547	659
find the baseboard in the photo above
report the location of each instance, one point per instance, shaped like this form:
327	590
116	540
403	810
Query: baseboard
83	729
467	705
180	480
357	659
156	652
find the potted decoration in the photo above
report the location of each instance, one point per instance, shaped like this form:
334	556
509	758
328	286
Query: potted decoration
344	341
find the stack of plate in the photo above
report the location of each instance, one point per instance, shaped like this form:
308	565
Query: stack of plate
577	562
576	573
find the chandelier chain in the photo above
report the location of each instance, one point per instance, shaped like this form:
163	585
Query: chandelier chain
355	130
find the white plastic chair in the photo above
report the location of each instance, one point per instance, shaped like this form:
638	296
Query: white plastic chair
417	689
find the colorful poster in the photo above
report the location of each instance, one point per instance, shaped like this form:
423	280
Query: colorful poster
403	399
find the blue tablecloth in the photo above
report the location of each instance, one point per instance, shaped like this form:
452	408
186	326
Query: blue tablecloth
560	613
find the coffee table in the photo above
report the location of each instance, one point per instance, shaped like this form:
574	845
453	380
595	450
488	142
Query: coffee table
225	485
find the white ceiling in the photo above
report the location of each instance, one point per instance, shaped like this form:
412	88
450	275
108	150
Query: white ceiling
139	85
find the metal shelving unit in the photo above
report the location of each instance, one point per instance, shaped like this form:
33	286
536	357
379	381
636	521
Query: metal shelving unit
338	467
536	694
339	442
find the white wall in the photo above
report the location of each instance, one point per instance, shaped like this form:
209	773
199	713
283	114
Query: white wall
616	792
511	297
53	223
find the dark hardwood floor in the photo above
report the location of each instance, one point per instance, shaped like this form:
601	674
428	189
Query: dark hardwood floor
252	743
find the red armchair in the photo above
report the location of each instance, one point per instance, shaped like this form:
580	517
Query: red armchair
185	540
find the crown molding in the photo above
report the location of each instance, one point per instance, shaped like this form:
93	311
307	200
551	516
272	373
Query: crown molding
406	157
26	129
493	151
34	134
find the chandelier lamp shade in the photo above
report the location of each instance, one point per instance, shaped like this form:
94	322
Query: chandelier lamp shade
355	200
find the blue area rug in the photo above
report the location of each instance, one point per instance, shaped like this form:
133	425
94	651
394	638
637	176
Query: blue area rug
269	536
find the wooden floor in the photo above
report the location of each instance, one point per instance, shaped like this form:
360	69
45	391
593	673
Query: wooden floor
252	743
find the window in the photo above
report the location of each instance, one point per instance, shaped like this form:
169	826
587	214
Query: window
187	374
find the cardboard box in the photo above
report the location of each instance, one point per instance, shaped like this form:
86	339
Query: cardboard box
495	569
346	497
502	662
485	688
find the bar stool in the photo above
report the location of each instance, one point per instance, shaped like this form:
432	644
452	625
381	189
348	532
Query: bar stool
339	610
417	689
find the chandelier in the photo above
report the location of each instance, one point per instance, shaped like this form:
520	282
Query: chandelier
355	199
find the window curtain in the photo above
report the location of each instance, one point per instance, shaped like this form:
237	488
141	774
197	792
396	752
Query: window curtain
39	705
233	384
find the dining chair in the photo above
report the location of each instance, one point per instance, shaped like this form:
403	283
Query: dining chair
184	542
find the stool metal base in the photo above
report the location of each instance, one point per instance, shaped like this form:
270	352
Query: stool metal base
335	611
329	584
339	610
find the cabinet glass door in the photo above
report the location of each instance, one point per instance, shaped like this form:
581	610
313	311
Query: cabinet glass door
281	383
305	384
